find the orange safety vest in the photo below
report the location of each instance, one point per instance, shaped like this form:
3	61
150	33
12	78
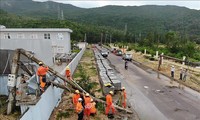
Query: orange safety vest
93	109
109	99
124	98
109	104
68	73
87	109
75	99
42	70
79	107
87	100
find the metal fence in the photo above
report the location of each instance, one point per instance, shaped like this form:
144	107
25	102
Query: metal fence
50	98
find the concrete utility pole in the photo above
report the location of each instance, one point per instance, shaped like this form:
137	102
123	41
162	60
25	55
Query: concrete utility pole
110	38
85	37
105	38
101	37
58	10
125	30
12	78
62	15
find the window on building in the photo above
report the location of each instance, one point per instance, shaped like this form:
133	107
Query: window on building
33	36
7	36
20	35
46	36
60	36
60	49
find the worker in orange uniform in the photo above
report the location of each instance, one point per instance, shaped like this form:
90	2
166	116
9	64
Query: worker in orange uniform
75	98
109	103
79	109
41	72
123	97
93	109
87	100
68	73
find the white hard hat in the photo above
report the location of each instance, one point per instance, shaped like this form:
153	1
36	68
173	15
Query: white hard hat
111	92
87	94
80	99
91	100
77	91
40	63
123	88
67	68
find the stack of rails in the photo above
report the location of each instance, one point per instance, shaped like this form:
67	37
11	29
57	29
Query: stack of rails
108	79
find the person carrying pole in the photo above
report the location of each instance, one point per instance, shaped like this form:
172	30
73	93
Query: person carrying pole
109	103
75	97
93	109
88	105
87	98
41	72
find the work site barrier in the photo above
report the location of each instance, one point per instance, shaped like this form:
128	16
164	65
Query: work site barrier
50	98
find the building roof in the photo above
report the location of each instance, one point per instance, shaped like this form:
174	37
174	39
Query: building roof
35	30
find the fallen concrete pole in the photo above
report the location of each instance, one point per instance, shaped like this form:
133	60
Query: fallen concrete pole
59	85
73	84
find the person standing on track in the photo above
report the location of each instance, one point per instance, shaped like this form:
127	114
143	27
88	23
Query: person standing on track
75	98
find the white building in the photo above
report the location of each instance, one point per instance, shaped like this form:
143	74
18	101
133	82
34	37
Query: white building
43	42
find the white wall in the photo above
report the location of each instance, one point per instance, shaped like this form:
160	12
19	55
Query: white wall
41	48
33	40
62	39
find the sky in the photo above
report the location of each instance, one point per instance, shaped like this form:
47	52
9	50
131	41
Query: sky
94	3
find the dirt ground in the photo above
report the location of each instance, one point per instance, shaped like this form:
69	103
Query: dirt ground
3	107
65	110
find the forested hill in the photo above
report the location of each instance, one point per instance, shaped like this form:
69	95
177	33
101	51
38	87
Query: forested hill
139	19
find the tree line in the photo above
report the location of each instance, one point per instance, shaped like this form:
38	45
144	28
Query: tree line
171	42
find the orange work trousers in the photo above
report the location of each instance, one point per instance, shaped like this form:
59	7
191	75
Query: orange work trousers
108	107
42	84
124	104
